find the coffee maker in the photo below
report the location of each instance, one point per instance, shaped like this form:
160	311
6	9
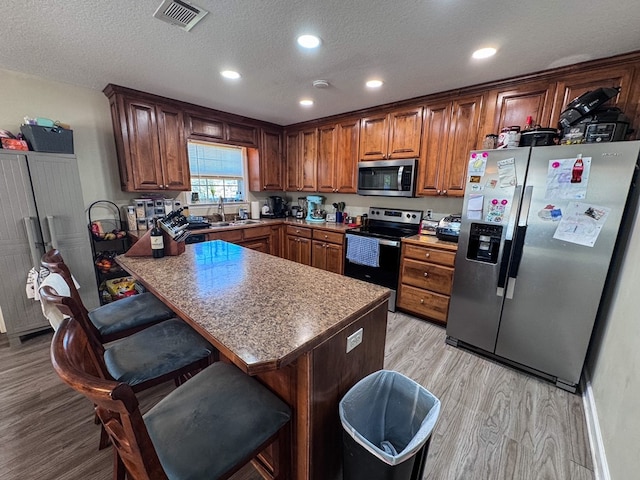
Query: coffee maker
277	207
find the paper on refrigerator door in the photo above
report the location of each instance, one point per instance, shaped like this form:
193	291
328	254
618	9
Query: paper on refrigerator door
568	178
474	207
581	223
507	172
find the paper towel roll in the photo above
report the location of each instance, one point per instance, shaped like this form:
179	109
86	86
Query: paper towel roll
255	210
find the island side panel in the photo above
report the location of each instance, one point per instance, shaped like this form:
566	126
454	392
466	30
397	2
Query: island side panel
334	373
313	386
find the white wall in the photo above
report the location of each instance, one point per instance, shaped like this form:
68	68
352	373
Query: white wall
88	113
614	367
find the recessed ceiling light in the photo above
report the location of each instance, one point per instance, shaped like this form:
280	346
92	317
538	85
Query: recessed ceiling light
484	53
230	74
306	102
374	83
308	41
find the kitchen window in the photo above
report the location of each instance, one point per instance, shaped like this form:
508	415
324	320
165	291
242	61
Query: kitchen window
217	172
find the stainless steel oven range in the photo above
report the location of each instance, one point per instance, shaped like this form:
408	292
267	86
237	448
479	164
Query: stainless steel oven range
373	249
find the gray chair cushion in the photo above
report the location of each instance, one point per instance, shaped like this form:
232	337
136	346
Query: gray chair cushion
155	351
129	312
212	422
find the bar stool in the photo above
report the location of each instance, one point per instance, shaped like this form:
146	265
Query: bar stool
207	428
113	320
169	350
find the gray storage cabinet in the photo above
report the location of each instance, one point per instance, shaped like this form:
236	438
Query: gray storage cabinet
41	207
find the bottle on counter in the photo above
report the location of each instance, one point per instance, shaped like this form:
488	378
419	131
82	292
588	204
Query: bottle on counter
528	124
157	242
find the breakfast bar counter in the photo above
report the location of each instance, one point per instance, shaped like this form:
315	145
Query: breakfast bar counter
241	301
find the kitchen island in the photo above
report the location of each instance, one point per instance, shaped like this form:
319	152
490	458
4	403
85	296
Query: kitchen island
285	323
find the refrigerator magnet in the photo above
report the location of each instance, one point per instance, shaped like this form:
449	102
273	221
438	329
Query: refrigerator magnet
477	164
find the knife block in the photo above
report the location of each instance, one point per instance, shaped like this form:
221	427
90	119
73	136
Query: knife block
142	248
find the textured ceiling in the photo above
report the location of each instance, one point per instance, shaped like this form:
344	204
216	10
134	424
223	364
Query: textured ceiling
416	47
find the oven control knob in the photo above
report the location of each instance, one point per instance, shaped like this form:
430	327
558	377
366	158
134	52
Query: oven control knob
408	215
413	216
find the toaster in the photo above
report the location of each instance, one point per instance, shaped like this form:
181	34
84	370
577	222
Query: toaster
449	228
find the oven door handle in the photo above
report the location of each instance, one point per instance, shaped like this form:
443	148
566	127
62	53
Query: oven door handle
389	243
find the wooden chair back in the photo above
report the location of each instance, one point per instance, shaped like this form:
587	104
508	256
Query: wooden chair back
115	403
53	261
69	307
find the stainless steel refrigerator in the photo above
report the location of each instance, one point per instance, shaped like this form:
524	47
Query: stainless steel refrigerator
538	233
41	207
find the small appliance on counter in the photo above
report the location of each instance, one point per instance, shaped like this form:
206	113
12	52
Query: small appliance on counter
277	207
314	209
449	228
428	226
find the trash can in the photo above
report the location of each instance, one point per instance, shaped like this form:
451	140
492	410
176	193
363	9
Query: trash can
387	421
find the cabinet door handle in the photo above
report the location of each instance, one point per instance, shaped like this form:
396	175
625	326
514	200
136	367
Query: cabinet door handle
426	274
444	192
53	237
427	255
422	300
326	236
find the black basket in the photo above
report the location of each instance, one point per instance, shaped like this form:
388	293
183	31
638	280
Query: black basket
48	139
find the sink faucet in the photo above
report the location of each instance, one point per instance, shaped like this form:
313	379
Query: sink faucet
221	209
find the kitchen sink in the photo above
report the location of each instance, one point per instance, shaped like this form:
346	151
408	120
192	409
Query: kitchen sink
234	223
245	222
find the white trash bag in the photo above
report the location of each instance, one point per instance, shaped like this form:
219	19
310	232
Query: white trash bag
389	415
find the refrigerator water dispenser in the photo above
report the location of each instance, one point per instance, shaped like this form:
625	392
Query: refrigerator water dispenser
484	242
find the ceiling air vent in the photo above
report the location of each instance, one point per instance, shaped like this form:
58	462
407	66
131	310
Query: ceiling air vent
182	14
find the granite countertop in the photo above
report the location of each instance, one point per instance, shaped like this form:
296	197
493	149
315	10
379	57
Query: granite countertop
431	241
242	300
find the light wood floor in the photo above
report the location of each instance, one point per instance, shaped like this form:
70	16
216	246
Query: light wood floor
495	423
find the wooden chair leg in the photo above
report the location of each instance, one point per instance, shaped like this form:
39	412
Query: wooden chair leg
119	472
105	441
284	454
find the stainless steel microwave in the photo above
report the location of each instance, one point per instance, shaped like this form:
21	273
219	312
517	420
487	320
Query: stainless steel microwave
388	178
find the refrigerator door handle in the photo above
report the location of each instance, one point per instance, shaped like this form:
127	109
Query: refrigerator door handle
521	233
508	243
31	238
53	239
504	264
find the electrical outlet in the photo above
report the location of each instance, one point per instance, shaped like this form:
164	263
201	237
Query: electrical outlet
354	340
429	212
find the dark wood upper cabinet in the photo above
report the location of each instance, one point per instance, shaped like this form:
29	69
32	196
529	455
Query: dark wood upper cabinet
266	165
451	130
327	156
391	135
338	156
241	134
572	86
152	151
302	151
346	166
201	126
431	168
511	105
207	127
